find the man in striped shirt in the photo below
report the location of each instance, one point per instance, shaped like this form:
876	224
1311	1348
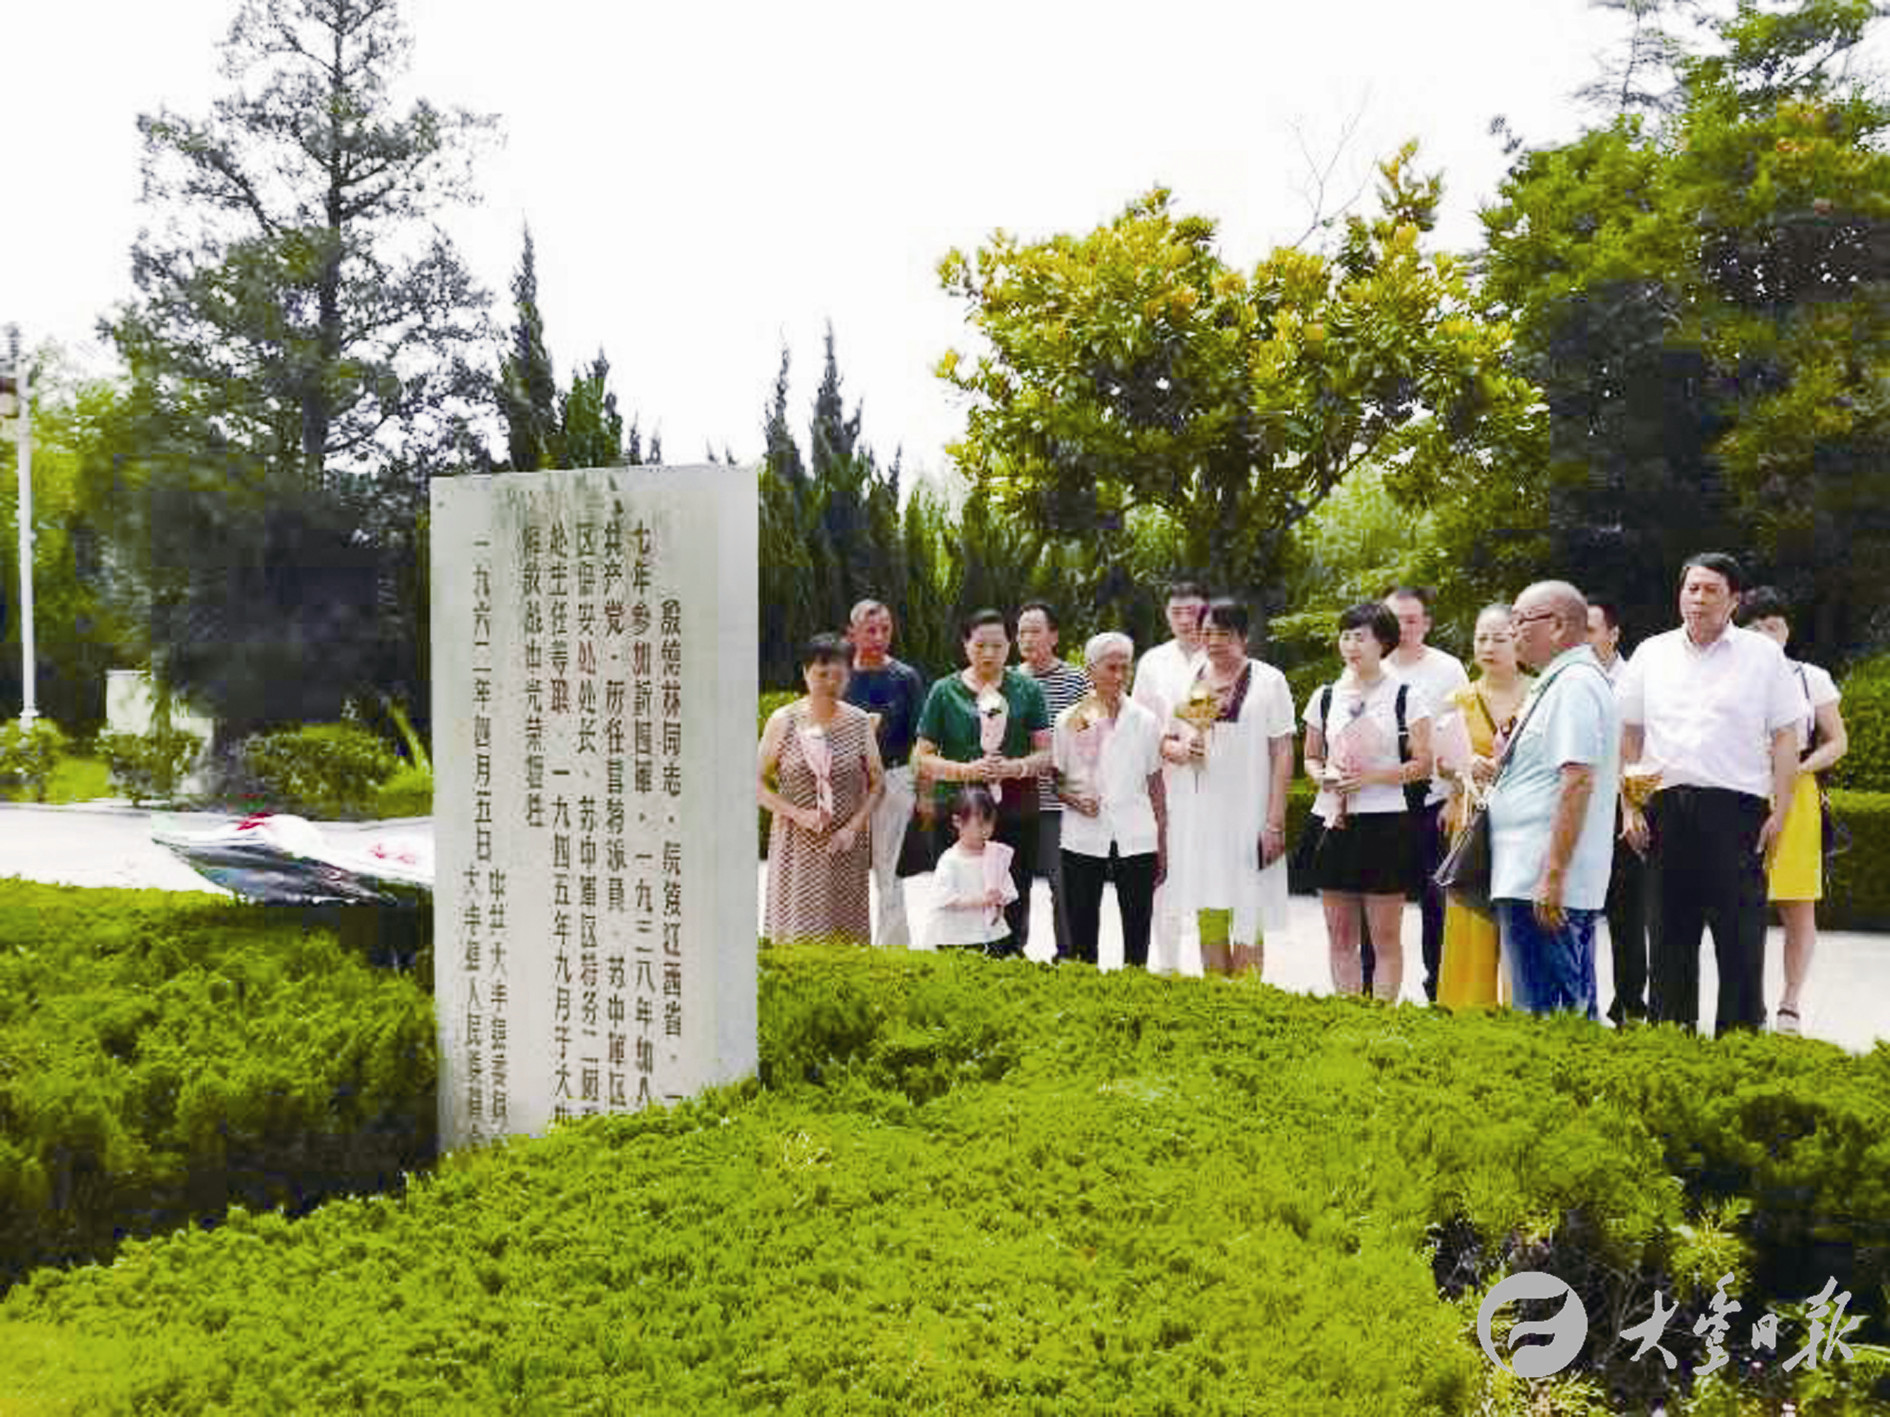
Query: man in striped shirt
1062	685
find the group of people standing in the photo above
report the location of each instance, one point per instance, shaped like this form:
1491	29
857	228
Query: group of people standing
1170	780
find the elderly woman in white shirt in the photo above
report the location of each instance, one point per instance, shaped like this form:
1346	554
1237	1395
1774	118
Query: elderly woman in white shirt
1106	748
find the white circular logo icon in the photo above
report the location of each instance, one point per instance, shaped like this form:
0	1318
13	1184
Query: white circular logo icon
1566	1330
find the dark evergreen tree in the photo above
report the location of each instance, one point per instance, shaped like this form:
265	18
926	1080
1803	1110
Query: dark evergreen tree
528	390
304	348
789	583
590	427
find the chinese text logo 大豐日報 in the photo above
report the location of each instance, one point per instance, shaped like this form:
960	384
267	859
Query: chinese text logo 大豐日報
1825	1314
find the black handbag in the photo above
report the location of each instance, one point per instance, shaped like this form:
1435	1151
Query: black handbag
1834	836
1465	869
1305	857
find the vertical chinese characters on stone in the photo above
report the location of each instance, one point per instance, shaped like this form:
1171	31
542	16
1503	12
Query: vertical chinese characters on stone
596	917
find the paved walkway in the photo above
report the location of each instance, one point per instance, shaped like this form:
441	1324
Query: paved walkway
1847	999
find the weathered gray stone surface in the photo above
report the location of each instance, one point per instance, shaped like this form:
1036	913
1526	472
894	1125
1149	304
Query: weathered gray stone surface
594	688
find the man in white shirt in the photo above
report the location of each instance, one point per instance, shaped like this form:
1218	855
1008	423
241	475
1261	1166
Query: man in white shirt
1627	882
1162	677
1715	708
1432	674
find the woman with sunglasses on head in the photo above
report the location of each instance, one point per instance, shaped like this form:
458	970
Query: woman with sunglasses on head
1480	717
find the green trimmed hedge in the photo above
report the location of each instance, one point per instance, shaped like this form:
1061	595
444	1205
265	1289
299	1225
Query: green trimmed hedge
28	755
162	1057
147	767
961	1185
323	770
1857	883
1865	704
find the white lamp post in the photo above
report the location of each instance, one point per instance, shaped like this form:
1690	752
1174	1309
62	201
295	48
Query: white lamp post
14	388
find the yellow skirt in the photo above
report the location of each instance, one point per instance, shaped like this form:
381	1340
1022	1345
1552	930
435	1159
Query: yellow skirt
1470	974
1798	864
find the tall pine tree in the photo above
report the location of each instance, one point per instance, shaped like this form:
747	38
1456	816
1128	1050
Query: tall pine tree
528	391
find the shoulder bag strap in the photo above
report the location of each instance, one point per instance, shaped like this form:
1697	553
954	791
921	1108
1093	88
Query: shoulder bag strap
1522	722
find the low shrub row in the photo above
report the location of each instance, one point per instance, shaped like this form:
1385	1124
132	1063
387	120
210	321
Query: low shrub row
29	755
322	770
961	1185
162	1057
1865	704
148	767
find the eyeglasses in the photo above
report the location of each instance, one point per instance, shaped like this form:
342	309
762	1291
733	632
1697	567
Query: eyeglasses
1518	621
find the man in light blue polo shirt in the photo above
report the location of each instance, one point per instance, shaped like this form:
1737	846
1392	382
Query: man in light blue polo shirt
1552	808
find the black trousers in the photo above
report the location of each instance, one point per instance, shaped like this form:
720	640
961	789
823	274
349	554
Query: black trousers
1083	880
1703	871
1627	932
1019	832
1428	845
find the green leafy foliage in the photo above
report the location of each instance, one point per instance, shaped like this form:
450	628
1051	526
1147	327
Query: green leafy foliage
82	625
29	755
1132	367
74	778
830	529
322	770
546	429
162	1058
1857	883
305	348
963	1185
147	767
408	793
1865	705
1698	291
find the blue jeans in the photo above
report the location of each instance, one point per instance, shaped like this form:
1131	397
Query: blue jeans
1549	969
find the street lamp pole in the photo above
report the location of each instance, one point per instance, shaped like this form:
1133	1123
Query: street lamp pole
24	437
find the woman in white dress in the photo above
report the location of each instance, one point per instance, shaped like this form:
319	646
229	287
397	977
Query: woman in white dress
1232	737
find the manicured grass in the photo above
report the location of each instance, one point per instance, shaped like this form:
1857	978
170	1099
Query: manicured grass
74	779
967	1186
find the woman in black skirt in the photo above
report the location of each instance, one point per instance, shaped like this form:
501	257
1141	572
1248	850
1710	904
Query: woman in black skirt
1353	757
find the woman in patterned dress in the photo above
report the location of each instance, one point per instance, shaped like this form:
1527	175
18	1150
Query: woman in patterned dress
824	761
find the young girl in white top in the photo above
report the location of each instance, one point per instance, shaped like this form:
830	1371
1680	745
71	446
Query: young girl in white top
972	884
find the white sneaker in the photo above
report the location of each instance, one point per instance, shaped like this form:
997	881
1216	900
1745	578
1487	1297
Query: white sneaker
1785	1021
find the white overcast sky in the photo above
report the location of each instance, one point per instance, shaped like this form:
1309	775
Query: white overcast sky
705	180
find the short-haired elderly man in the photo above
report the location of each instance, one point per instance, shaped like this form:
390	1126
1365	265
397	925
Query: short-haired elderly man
1552	808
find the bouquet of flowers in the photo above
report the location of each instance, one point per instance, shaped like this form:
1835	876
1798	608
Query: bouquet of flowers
818	753
1639	782
1353	749
1090	727
1199	711
994	718
997	874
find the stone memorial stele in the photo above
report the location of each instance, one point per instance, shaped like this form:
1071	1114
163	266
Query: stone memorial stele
594	689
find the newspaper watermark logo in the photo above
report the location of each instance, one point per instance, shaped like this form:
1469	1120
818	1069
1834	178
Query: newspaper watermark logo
1824	1313
1566	1330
